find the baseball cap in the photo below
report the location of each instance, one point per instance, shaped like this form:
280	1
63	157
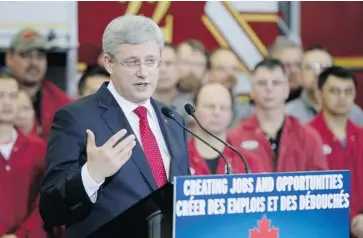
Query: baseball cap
27	39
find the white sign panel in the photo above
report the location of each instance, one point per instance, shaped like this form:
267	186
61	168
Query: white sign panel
42	16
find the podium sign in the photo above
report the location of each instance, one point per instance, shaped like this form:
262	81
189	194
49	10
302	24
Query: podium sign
276	205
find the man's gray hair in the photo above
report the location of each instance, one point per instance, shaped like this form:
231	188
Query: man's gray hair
282	43
130	29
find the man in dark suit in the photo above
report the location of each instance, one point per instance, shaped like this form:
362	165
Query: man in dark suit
109	150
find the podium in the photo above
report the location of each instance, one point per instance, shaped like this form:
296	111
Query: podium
149	218
267	205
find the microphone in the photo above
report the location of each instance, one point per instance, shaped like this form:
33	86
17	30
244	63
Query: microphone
170	114
191	110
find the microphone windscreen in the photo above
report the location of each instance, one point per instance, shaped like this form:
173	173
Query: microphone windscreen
189	108
167	112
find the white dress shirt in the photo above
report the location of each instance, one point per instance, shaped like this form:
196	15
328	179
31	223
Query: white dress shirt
6	149
128	107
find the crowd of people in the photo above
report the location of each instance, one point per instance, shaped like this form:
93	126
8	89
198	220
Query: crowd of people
301	116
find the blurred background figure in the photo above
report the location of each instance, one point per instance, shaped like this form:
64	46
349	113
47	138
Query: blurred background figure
26	114
171	89
166	88
26	60
280	142
290	54
215	114
100	59
305	108
342	138
223	68
92	80
22	167
184	56
199	59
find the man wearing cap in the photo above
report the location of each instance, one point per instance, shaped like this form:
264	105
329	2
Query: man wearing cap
27	62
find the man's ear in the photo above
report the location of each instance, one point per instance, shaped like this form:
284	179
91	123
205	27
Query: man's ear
8	57
107	62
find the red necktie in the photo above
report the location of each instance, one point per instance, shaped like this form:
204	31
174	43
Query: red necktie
151	148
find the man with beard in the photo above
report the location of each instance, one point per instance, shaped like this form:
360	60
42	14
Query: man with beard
223	68
27	61
184	54
341	137
199	59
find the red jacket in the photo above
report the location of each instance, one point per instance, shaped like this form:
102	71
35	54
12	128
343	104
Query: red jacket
20	179
345	158
52	99
300	146
200	167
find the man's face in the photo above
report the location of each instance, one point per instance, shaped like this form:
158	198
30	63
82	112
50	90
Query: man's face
92	84
313	63
134	70
224	68
270	88
28	67
26	114
184	60
9	90
338	95
199	64
168	76
291	59
214	113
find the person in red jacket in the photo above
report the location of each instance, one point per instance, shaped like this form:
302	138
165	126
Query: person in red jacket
280	142
213	104
21	170
341	137
27	62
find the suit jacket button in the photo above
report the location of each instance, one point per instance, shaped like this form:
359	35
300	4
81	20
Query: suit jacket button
74	207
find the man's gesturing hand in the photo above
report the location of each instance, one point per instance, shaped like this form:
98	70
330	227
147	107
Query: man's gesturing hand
106	160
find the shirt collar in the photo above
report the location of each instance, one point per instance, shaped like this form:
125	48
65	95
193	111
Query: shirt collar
308	105
127	106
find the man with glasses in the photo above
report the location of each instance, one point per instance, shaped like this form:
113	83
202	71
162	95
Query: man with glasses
223	68
280	142
305	108
26	60
290	54
109	150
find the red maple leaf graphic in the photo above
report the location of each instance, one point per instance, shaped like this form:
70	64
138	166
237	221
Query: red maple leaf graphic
264	230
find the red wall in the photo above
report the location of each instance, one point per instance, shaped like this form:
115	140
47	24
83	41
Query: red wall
187	23
338	26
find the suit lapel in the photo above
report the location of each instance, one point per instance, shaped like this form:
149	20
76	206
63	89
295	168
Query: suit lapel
166	129
116	120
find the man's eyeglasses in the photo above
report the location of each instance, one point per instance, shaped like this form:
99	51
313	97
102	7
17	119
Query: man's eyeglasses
150	63
317	67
